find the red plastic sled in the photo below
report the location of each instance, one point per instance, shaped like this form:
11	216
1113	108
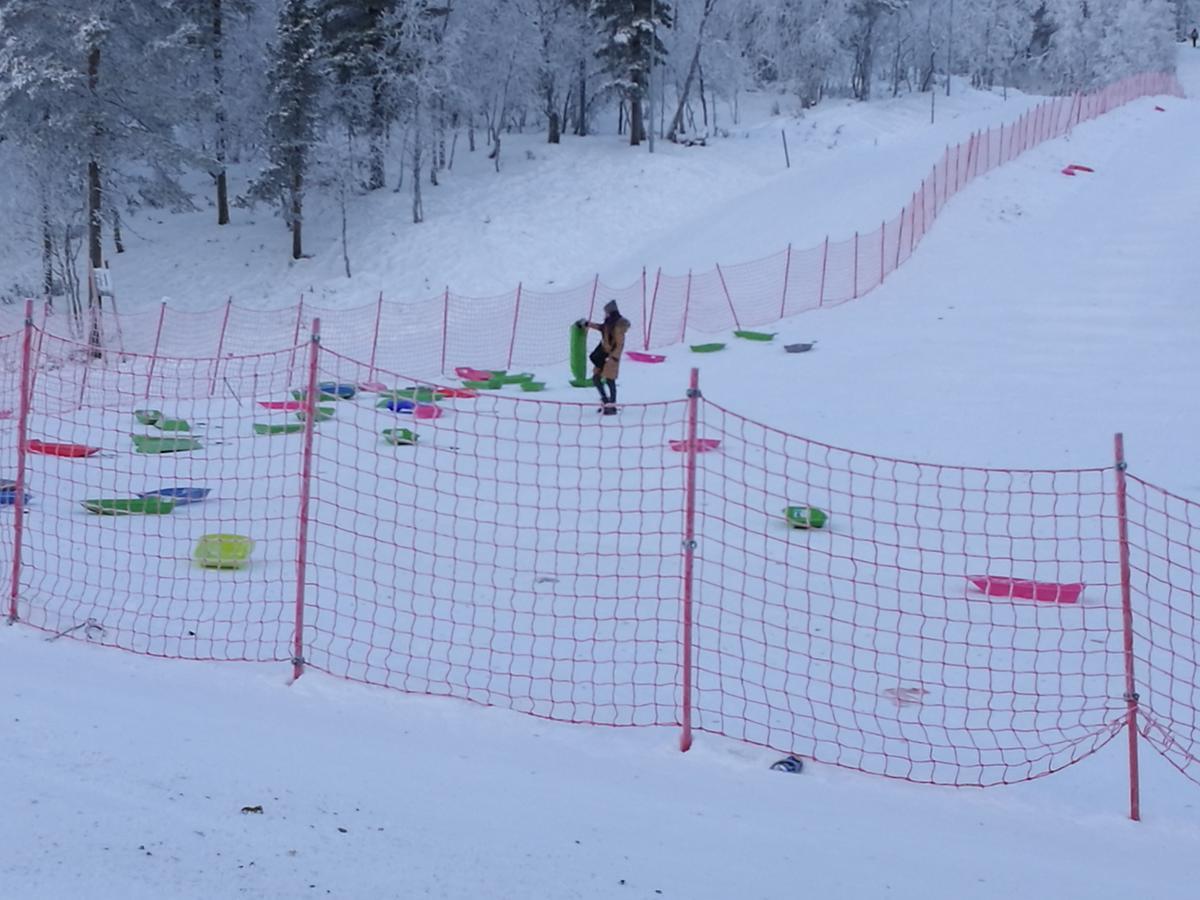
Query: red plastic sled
644	357
703	445
1075	167
289	405
72	451
426	411
456	393
1159	109
466	373
1042	591
1069	171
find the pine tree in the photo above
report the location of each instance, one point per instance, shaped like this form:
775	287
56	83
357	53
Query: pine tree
355	34
295	83
630	35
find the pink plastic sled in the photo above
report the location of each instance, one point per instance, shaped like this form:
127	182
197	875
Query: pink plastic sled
703	445
372	387
466	373
456	393
288	405
1042	591
644	357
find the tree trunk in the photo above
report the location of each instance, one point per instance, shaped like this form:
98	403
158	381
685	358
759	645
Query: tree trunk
636	127
418	212
693	68
297	213
218	28
118	244
47	252
552	129
581	128
376	176
95	195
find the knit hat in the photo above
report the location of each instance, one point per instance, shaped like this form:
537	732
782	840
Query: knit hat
610	308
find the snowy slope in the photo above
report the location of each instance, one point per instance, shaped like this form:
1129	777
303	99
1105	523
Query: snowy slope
997	344
557	215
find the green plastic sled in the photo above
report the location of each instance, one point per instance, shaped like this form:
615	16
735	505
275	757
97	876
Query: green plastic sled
146	506
400	437
223	551
148	416
519	378
144	443
533	386
707	348
805	516
173	425
322	396
323	413
288	428
490	385
755	335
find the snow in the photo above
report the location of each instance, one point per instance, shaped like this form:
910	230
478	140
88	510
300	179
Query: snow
1041	314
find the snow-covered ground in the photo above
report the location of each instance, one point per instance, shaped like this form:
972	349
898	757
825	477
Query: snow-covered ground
1040	315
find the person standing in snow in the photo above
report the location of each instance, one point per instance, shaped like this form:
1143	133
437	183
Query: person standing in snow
606	358
1194	35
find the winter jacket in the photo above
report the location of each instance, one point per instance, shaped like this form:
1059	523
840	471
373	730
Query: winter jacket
612	343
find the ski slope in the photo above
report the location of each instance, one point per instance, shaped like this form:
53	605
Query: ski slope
1041	314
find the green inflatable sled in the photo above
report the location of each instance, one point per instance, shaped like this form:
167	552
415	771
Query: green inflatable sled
579	357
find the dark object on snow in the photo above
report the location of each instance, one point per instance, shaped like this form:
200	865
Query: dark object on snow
792	764
799	348
246	810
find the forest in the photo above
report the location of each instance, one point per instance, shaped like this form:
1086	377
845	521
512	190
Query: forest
110	107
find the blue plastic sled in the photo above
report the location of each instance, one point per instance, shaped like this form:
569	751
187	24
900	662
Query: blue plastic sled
401	406
341	391
8	497
181	495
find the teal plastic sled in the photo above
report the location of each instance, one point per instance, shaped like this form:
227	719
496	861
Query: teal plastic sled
289	428
805	517
400	437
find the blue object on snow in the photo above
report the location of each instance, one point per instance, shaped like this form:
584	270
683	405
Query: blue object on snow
341	391
8	496
401	406
181	495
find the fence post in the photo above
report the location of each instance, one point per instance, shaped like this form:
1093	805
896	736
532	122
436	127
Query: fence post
787	271
445	327
592	304
899	239
856	264
824	265
882	236
687	305
1131	697
512	343
728	299
375	338
643	304
296	337
220	346
653	305
306	467
689	558
22	451
162	314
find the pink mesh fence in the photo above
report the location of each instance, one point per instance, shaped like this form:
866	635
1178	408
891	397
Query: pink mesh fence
526	328
948	625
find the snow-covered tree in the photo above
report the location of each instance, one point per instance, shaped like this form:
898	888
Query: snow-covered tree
630	39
